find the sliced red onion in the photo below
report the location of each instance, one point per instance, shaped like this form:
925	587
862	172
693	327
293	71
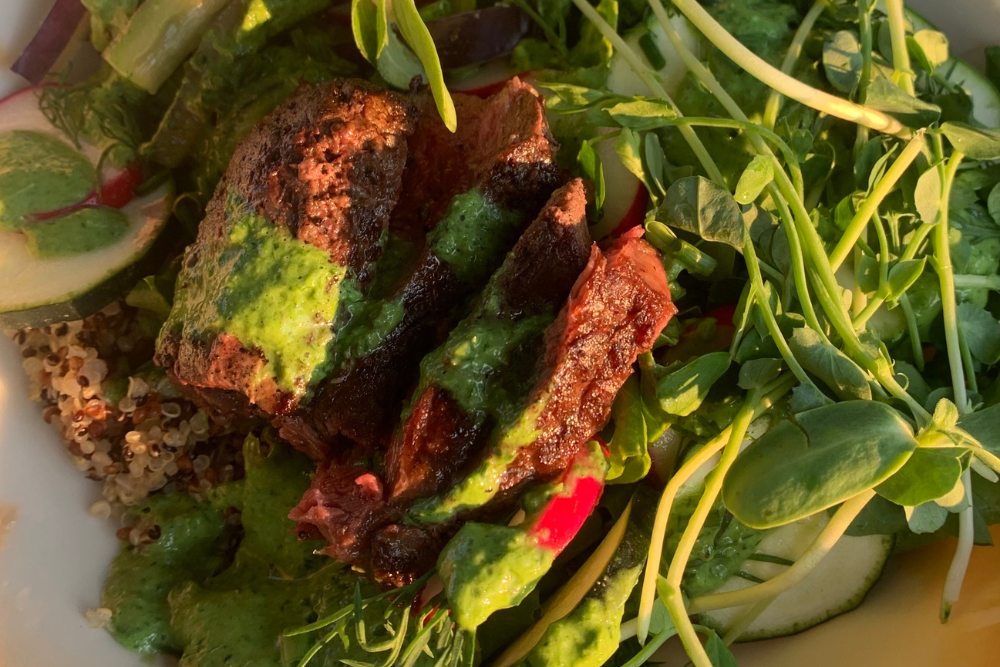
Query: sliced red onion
477	36
50	41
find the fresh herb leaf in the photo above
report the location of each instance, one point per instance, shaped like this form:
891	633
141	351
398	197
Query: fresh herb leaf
808	397
758	372
887	97
843	60
933	48
798	469
641	113
903	274
925	518
682	390
982	332
696	204
973	142
928	475
419	38
844	377
754	179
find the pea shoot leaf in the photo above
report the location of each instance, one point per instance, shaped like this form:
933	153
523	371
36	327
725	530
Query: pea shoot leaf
364	15
628	146
911	379
973	142
758	372
808	397
927	195
698	205
930	47
993	203
842	61
925	518
798	469
903	274
641	113
629	457
754	179
981	331
590	167
984	426
718	652
887	97
928	475
570	98
844	377
419	39
683	389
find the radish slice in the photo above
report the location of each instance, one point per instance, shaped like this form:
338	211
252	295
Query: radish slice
488	80
625	197
623	80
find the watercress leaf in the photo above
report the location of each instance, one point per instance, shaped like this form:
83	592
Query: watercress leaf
396	63
795	470
758	372
993	203
933	47
572	97
629	458
927	195
927	475
955	499
808	397
682	390
628	146
147	296
755	346
754	179
879	517
838	371
641	113
911	379
592	169
887	97
984	426
866	273
419	39
925	518
973	142
364	16
842	61
718	652
654	163
869	154
982	332
903	274
698	205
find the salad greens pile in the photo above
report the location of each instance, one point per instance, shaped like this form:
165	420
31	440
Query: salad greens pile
823	183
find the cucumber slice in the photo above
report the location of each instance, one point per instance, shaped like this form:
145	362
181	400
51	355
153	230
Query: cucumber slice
837	585
623	80
36	292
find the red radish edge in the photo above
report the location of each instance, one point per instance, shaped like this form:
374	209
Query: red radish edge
50	41
561	519
490	88
115	193
636	212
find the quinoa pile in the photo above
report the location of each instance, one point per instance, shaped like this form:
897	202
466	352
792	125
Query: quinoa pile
121	419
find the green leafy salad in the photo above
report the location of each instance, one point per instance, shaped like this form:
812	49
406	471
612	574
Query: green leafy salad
822	183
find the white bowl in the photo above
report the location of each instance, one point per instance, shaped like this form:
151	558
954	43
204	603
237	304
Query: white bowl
54	557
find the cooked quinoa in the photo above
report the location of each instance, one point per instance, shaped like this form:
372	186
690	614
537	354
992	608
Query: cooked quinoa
122	421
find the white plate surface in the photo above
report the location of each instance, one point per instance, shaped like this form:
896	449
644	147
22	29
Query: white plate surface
54	557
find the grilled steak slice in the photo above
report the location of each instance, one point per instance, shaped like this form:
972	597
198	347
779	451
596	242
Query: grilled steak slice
504	152
465	383
306	197
617	309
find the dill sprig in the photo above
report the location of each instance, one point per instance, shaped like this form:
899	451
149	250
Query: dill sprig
406	630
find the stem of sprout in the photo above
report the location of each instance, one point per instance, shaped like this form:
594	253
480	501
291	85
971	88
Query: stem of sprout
713	486
981	282
700	458
872	201
970	369
750	255
776	79
902	75
942	253
652	647
745	620
653	83
914	332
865	32
791	57
791	577
798	266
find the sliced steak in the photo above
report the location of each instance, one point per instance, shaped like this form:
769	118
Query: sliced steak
465	386
492	176
319	177
617	308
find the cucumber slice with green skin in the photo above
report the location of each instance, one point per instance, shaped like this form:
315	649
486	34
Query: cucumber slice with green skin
985	96
837	585
37	292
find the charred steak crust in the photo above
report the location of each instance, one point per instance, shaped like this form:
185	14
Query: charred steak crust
327	165
503	146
